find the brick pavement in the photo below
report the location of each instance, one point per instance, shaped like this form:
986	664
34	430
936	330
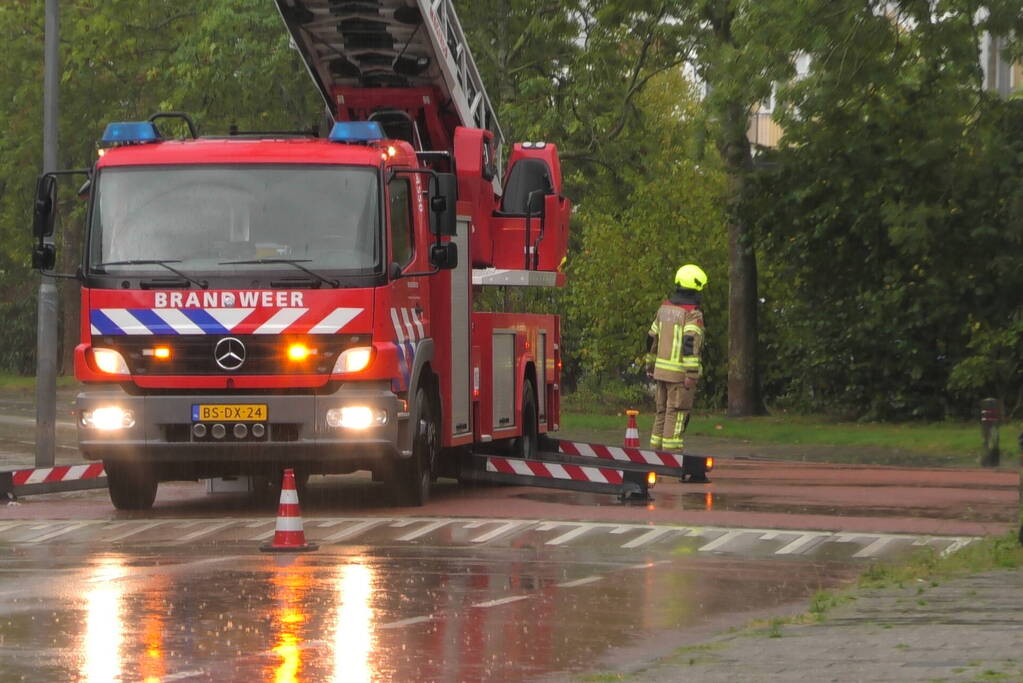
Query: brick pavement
964	629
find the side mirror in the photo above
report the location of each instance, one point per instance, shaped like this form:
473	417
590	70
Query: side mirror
86	189
444	256
44	256
45	209
443	200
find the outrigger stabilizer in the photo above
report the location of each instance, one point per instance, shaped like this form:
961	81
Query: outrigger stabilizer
628	473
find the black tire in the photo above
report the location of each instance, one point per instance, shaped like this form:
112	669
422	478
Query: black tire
528	445
413	475
132	485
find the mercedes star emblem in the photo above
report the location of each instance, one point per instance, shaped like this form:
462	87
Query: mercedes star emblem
229	353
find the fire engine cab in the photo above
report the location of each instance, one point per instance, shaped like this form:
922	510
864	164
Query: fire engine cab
255	301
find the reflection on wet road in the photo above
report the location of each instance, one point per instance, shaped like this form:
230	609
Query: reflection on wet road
358	614
390	598
500	583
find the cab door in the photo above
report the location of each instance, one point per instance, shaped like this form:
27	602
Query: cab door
409	295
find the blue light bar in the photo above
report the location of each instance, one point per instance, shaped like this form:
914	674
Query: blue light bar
130	132
356	132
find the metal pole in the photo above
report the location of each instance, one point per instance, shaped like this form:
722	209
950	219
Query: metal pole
46	315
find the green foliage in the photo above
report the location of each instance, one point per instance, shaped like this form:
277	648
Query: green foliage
223	61
629	250
891	221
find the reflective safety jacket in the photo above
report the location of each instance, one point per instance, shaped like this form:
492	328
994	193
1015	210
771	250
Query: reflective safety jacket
677	335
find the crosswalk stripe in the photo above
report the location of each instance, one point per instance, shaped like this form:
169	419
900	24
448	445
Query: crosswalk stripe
574	533
804	540
646	538
422	531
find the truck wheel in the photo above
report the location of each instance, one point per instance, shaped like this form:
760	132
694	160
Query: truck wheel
132	485
527	445
412	476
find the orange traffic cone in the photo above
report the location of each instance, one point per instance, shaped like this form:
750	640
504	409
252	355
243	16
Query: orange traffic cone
288	536
632	431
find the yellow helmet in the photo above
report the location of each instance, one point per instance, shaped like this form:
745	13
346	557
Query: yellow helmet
691	277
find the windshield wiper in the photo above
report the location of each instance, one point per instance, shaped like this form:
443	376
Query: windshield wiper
201	284
296	263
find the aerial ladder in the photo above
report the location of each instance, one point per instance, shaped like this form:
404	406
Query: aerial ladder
404	63
407	65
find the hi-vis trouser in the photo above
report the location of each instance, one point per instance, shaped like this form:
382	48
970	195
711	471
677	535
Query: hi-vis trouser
674	401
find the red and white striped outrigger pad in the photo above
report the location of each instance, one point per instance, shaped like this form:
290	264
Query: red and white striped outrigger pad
62	473
639	456
551	470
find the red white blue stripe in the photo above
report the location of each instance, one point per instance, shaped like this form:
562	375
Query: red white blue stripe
217	321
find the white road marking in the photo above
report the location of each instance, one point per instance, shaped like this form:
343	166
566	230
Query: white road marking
957	545
59	532
579	582
647	537
355	529
721	540
326	524
138	529
398	524
549	526
494	533
804	539
204	532
501	601
422	531
574	533
411	621
872	549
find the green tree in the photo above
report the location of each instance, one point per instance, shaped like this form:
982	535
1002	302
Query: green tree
891	214
226	62
630	248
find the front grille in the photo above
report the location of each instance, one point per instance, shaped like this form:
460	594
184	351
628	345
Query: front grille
195	354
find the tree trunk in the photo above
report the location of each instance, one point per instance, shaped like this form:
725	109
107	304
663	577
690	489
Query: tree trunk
743	394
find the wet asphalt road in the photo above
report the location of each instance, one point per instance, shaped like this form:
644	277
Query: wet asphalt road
533	584
360	613
497	583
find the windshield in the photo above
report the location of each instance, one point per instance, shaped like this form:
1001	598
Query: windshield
198	217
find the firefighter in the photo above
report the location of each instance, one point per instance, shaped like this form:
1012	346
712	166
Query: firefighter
673	357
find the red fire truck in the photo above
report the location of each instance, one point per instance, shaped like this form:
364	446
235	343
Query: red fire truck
254	301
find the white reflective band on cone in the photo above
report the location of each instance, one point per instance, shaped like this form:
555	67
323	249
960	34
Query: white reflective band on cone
289	524
289	497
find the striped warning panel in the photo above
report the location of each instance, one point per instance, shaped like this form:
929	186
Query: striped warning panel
549	470
62	473
635	455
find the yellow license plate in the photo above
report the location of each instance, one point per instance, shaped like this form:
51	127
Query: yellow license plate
229	412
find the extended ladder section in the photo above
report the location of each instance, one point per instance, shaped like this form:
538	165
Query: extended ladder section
405	63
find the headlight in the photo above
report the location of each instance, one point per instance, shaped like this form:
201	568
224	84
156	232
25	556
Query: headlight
108	419
356	417
109	361
353	360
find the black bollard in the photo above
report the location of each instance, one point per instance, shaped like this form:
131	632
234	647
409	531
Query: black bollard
990	417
